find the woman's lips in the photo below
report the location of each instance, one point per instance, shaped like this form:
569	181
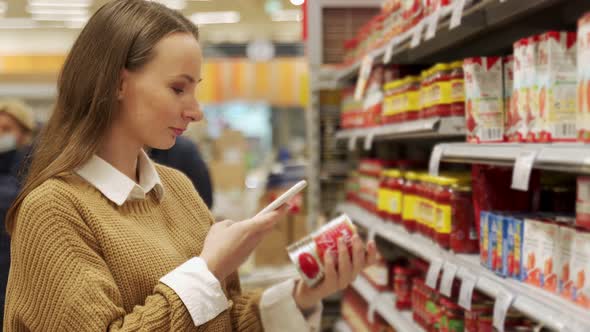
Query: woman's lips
177	131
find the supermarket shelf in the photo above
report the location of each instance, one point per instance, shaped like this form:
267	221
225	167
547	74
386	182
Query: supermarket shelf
564	157
487	27
435	127
342	326
549	309
401	321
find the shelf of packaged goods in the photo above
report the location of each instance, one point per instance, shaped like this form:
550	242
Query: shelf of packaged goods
548	309
384	303
487	27
565	157
435	127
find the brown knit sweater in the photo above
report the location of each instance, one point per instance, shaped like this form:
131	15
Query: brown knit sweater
82	263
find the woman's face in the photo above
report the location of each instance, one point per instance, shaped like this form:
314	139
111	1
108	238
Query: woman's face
157	102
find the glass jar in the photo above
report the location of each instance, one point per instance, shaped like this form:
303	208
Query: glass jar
421	204
485	323
411	99
457	89
440	91
433	310
423	94
442	196
477	310
429	206
402	287
464	237
409	201
396	187
453	317
383	196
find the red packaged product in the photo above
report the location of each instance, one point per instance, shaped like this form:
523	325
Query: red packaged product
508	77
484	99
457	89
518	130
583	203
308	253
530	81
464	235
491	191
583	90
402	287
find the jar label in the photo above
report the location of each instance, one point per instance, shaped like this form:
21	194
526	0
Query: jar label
383	200
439	93
395	202
409	202
443	219
457	91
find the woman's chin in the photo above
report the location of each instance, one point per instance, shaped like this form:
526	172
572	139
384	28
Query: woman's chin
164	144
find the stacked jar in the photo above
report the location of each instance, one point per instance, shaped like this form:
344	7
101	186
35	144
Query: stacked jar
390	195
392	102
457	89
438	87
409	201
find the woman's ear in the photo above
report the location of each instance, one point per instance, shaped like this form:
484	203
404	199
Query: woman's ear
123	83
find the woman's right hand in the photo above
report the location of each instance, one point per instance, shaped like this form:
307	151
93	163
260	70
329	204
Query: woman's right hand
229	243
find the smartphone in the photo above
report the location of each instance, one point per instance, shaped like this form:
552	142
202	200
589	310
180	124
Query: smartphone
284	198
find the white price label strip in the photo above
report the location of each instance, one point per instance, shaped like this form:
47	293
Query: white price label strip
503	302
432	25
522	170
417	34
433	272
457	13
435	157
389	52
468	282
379	298
369	141
446	283
365	72
352	143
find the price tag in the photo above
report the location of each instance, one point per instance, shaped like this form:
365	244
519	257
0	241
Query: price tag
352	143
522	170
389	52
435	157
369	141
417	34
446	283
457	14
365	72
432	25
468	282
503	303
371	233
433	272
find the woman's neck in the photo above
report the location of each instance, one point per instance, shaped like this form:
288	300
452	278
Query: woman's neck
121	152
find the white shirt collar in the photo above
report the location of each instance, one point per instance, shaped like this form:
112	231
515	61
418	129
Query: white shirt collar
118	187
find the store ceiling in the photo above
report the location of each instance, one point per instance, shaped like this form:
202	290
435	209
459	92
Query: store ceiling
254	21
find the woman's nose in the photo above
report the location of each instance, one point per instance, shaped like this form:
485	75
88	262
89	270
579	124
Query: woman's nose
194	113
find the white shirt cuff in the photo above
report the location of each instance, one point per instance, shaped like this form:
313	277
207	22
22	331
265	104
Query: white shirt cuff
198	289
279	312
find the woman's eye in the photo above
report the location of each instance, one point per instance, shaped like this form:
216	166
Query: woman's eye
177	91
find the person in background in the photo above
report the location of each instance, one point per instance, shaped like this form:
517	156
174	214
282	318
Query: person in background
103	239
185	157
16	131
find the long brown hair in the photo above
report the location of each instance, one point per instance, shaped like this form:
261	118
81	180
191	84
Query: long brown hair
120	35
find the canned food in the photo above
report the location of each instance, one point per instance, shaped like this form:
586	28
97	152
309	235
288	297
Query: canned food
308	253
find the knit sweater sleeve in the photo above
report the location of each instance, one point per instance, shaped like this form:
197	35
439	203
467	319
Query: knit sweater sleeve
245	312
60	282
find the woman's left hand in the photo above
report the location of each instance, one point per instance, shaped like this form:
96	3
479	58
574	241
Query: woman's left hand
337	279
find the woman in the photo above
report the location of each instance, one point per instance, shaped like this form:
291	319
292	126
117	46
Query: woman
103	239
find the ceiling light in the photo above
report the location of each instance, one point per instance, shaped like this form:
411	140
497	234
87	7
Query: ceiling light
286	15
18	23
58	11
219	17
174	4
49	17
63	3
297	2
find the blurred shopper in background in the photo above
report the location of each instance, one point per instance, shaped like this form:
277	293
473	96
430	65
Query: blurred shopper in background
16	130
185	157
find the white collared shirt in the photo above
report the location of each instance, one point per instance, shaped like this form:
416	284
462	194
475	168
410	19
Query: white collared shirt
192	281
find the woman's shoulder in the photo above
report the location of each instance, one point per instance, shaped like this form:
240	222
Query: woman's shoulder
58	190
172	177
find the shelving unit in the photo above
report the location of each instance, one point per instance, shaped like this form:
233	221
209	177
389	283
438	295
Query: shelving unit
547	308
428	128
488	27
565	157
401	321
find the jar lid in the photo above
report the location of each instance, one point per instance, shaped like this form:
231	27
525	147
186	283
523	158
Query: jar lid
393	173
457	64
440	67
393	84
444	181
412	176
